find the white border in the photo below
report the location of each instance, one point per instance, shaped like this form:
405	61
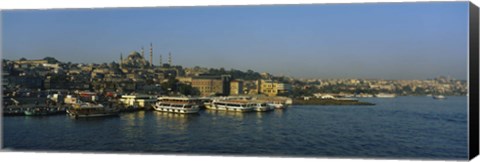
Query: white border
55	4
49	4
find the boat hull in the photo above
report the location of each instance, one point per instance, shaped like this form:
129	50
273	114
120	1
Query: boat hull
32	113
278	106
261	109
236	109
181	111
192	110
75	115
41	112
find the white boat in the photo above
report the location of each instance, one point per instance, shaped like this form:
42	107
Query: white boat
208	104
143	102
232	105
439	97
181	105
262	106
79	110
277	104
385	95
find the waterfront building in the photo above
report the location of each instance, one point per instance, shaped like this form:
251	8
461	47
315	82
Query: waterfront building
272	88
268	87
236	87
212	85
208	85
283	88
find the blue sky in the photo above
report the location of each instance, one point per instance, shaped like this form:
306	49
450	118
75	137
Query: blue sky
376	40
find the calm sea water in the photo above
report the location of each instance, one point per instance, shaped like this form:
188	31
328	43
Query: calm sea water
403	127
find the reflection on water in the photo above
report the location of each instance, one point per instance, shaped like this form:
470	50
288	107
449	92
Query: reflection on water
419	127
233	114
133	116
279	112
173	120
260	116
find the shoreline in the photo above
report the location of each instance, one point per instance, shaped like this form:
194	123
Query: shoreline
330	102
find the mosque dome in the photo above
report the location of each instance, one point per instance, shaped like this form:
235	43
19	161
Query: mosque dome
134	55
135	59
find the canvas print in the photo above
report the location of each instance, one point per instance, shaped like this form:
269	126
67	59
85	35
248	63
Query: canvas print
360	80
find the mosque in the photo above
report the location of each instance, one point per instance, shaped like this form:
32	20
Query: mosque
138	61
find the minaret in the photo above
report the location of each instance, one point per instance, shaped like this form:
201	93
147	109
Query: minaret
143	53
151	54
161	62
121	59
170	58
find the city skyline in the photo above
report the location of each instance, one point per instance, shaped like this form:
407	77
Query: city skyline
381	41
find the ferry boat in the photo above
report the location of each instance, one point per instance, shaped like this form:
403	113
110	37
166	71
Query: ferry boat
262	106
439	97
232	105
91	110
182	105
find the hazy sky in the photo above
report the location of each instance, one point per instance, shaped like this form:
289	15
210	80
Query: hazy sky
376	40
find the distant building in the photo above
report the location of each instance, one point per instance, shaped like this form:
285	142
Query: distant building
29	63
185	80
26	82
272	88
236	87
212	85
283	88
267	87
134	60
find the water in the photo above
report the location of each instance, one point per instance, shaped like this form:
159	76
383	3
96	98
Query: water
403	127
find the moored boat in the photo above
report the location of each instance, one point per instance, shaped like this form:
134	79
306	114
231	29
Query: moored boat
233	105
91	110
40	111
182	105
262	106
277	104
208	104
